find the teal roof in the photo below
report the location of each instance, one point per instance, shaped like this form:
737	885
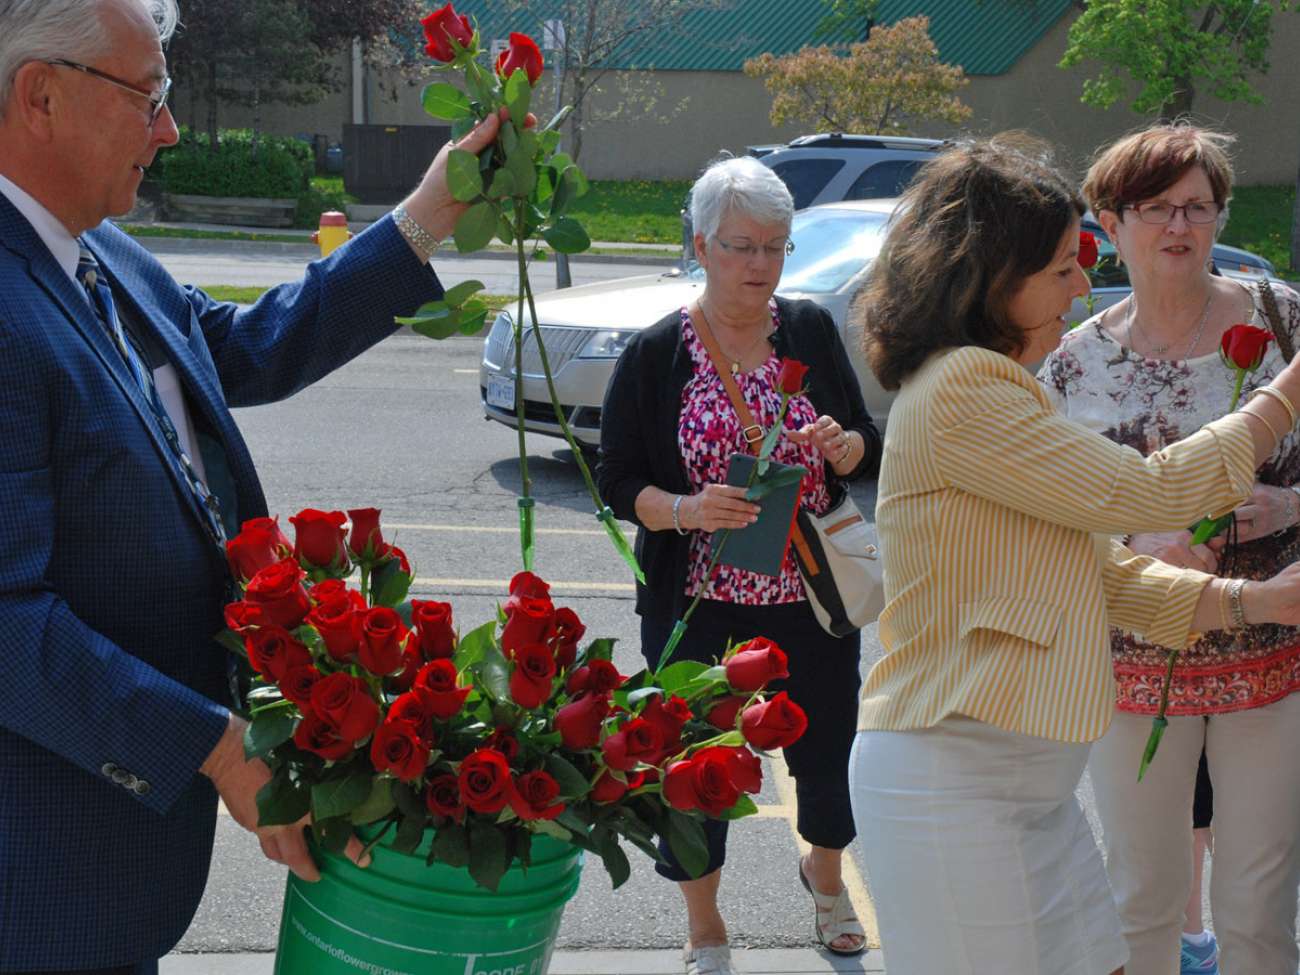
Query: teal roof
983	37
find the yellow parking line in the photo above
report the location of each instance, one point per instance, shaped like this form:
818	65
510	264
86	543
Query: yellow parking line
853	882
488	529
504	584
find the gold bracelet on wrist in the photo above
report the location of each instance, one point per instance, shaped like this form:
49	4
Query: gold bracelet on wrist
419	238
1234	603
1225	616
1275	394
1277	437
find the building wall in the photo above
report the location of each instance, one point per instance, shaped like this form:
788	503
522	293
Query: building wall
694	115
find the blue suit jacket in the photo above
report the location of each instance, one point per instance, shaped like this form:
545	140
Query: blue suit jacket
110	591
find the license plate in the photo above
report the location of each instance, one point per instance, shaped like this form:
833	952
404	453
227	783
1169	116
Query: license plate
501	392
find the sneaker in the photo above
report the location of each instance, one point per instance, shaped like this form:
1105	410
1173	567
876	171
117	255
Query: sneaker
1200	959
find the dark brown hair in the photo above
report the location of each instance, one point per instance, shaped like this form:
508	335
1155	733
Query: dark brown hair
1146	163
975	223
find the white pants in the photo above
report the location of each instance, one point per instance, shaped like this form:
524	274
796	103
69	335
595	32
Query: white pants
979	857
1255	769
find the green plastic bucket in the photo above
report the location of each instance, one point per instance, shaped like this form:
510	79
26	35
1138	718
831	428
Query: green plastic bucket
400	917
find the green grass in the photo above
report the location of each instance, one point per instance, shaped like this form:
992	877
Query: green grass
1260	221
633	211
148	230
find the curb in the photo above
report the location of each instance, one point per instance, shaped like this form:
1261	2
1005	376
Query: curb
746	961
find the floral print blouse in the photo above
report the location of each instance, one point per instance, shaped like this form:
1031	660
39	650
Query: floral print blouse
709	432
1148	404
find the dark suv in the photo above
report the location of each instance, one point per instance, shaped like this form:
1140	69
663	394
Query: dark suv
831	167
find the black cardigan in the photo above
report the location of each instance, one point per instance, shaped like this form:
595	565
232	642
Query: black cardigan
642	411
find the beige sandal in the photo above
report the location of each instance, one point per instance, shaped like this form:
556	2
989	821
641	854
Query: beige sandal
709	960
834	918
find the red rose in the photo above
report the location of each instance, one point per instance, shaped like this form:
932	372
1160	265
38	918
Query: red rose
315	734
722	714
1087	250
404	679
522	53
790	379
396	553
533	796
335	619
607	789
529	619
442	797
260	543
381	635
635	742
711	780
568	631
397	748
273	651
755	664
599	676
412	708
319	538
345	702
579	721
278	595
366	543
442	25
503	741
444	698
777	723
530	681
670	718
331	588
530	585
484	781
240	616
1242	346
746	769
433	627
297	682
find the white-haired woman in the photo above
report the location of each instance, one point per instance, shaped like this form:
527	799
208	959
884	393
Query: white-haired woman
667	433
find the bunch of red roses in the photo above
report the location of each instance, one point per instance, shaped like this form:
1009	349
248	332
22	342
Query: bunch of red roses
374	710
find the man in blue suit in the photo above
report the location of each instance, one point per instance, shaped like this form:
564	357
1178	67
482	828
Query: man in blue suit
120	469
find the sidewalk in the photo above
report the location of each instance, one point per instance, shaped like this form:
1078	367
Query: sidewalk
758	961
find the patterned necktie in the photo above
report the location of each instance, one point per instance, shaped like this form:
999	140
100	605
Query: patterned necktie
101	300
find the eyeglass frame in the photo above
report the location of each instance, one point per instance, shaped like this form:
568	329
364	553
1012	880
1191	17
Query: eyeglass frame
749	251
157	99
1140	208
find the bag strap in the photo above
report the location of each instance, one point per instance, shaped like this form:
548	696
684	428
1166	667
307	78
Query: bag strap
1274	318
754	441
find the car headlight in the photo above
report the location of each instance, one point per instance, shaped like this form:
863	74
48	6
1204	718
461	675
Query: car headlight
606	344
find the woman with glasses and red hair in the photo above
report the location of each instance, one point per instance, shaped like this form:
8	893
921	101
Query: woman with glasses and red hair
1146	372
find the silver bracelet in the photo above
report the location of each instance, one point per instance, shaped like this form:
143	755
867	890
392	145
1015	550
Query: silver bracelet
415	235
677	505
1234	603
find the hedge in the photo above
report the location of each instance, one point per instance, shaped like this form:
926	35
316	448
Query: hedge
265	166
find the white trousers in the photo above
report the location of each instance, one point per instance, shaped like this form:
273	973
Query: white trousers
979	857
1147	826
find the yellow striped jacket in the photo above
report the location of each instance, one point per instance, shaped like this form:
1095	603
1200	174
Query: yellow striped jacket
997	519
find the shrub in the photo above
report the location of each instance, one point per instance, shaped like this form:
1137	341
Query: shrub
245	164
323	193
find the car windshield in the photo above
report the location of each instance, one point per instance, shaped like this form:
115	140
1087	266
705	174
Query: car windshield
831	246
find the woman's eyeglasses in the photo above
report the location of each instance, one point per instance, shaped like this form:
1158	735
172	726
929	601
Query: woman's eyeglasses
773	251
1198	211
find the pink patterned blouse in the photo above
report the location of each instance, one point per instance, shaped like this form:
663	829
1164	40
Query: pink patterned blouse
709	432
1148	404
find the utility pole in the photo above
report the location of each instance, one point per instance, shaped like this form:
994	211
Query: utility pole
553	39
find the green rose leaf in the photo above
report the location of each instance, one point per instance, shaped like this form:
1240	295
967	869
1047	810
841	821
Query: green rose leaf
463	176
473	645
640	694
281	802
267	730
495	673
333	834
440	326
232	642
744	807
519	94
463	126
548	140
410	832
378	804
338	797
473	316
523	173
451	846
573	784
475	227
487	855
503	185
505	230
615	859
678	675
567	236
686	840
445	101
389	584
551	828
458	294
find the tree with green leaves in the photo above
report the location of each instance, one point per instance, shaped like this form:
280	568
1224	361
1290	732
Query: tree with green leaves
846	21
881	85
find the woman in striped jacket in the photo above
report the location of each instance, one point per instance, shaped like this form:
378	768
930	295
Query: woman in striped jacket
997	518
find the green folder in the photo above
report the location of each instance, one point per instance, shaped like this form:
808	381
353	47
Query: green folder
761	547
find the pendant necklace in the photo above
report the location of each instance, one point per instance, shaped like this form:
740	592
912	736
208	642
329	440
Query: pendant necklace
1135	328
736	361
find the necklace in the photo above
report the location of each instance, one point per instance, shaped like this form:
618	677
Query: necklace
1135	328
735	361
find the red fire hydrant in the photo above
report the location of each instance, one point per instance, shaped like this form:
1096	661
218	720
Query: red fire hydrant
333	232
